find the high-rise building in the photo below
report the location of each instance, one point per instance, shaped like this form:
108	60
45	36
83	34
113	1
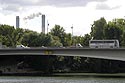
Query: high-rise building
43	23
17	22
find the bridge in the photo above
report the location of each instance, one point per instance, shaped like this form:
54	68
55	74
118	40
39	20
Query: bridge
110	53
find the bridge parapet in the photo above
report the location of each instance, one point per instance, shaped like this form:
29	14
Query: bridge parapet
115	53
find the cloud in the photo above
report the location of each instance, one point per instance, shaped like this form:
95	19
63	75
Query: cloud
12	7
103	6
69	3
15	5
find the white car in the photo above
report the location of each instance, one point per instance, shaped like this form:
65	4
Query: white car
21	46
79	45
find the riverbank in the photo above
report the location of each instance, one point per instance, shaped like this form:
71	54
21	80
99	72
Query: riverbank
91	74
68	74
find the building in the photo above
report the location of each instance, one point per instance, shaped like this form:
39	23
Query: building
17	22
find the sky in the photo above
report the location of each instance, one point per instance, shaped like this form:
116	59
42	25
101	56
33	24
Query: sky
67	13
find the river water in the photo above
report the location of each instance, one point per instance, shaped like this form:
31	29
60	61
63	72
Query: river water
38	79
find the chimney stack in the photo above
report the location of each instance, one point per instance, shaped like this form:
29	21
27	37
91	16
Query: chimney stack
17	21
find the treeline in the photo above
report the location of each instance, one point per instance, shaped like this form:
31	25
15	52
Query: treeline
57	37
100	29
114	29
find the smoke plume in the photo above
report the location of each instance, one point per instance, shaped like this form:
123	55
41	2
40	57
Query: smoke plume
32	16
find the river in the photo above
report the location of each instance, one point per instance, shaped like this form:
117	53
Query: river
39	79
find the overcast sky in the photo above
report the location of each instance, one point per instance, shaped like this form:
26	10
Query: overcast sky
79	13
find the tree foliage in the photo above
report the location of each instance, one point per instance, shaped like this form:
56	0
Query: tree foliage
97	29
10	36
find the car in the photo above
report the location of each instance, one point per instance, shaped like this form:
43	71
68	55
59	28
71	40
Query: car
21	46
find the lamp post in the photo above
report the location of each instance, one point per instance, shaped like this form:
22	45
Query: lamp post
47	26
72	30
124	32
72	34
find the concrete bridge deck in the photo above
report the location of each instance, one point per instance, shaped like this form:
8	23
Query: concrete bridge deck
105	53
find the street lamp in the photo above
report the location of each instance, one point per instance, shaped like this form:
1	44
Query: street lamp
72	30
72	35
47	26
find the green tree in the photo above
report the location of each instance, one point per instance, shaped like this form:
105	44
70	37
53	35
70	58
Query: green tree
56	42
85	40
29	38
17	36
97	29
114	30
44	40
67	41
34	39
120	23
10	35
59	32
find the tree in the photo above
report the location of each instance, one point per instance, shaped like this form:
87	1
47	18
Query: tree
120	23
10	36
29	38
44	40
97	29
86	39
59	32
67	41
114	30
56	42
17	36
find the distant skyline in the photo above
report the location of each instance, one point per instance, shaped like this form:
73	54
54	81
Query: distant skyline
79	13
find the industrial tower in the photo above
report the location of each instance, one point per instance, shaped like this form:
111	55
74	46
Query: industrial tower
43	23
17	22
